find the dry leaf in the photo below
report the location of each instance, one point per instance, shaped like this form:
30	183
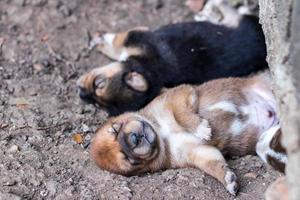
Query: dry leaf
78	138
21	103
38	67
250	175
45	38
3	125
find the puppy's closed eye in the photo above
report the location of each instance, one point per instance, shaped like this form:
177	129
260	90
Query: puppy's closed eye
115	128
136	81
134	139
100	82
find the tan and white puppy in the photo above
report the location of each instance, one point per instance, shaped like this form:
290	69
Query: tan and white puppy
172	131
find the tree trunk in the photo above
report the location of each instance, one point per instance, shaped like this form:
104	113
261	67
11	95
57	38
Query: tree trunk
281	23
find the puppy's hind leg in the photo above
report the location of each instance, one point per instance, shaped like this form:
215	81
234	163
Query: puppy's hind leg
116	45
210	160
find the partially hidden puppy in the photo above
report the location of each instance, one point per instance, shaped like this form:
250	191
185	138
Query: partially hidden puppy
193	126
147	61
221	12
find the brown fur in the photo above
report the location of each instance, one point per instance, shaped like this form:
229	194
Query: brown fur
178	113
276	164
105	94
120	38
276	143
118	45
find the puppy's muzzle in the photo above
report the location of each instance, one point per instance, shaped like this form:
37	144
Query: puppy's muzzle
85	95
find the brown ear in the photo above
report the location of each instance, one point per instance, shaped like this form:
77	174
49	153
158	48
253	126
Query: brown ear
136	81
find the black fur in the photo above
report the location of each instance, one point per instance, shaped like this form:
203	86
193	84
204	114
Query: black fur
193	53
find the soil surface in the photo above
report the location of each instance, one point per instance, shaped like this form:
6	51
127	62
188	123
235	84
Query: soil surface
45	129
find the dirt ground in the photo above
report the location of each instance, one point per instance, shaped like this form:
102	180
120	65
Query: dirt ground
44	51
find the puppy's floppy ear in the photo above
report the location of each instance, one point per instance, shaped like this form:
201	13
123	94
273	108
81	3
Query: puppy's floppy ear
137	81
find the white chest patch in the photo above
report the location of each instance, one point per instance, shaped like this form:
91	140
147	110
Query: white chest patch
109	38
225	106
177	141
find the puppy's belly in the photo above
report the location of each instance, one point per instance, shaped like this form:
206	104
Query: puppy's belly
236	128
261	109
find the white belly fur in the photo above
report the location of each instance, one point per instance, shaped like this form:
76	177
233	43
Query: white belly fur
261	108
177	141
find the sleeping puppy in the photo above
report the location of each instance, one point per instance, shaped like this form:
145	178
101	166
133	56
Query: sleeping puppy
192	52
172	131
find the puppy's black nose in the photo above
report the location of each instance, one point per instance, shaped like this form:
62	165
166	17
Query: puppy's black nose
85	95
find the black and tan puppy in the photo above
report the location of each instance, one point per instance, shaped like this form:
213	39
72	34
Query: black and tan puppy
192	52
193	127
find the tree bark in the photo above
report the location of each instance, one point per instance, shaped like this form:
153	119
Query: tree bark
281	24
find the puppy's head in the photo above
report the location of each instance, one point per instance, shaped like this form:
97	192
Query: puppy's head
125	145
115	87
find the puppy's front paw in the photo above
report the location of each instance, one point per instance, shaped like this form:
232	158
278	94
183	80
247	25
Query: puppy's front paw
96	40
204	131
102	42
231	184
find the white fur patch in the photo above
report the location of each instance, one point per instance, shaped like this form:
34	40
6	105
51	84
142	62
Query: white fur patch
278	156
123	56
177	141
203	131
237	127
261	105
263	146
244	10
225	106
109	38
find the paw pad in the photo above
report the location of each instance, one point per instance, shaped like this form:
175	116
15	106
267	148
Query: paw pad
231	184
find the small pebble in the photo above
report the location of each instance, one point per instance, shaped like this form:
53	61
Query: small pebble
250	175
44	193
88	137
13	149
85	128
